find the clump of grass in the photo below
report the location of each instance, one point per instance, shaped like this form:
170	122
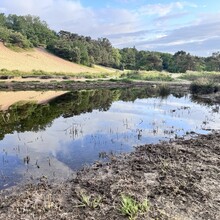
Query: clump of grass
148	76
164	90
131	208
89	201
203	86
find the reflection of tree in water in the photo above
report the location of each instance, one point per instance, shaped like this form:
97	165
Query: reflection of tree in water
33	117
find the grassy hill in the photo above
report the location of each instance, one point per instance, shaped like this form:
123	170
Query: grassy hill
40	59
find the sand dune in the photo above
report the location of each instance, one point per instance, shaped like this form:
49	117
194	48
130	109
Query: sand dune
39	59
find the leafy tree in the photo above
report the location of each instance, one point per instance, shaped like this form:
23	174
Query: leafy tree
166	60
128	58
116	58
213	62
2	20
32	27
148	61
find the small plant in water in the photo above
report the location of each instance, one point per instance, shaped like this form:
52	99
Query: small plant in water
131	208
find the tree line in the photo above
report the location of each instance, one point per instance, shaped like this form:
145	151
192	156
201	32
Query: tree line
29	31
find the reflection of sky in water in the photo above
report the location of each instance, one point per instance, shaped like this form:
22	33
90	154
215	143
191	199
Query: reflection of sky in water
8	167
72	142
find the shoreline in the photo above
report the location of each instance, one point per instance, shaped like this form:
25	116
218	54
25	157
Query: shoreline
73	85
180	180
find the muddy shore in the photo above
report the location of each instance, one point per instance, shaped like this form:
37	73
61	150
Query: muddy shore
180	180
90	84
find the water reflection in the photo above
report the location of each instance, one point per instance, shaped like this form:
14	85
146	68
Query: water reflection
54	139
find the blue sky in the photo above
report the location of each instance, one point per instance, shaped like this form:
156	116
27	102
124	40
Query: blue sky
166	26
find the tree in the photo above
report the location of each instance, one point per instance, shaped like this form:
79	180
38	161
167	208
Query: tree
148	61
2	20
128	58
116	58
213	62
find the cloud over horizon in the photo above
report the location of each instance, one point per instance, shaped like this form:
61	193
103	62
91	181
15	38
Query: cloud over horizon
165	26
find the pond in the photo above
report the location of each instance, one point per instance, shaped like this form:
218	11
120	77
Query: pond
56	139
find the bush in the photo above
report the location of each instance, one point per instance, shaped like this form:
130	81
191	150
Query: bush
13	38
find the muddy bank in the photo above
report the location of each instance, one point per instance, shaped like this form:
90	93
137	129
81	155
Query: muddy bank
77	85
179	179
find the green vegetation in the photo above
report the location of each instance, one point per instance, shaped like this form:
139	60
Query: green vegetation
89	201
147	75
131	208
193	76
13	38
163	91
28	31
203	86
41	73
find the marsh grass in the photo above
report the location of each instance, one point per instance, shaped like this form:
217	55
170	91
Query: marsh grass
164	90
147	75
194	76
203	86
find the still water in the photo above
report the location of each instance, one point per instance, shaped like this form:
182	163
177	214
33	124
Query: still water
55	139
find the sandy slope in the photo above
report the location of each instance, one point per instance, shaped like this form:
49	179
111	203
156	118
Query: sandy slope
38	59
9	98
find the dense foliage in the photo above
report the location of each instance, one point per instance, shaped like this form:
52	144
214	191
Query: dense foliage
29	31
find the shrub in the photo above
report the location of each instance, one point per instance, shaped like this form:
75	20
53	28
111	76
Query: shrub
13	38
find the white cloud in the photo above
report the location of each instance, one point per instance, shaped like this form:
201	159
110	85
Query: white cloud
160	9
73	16
57	13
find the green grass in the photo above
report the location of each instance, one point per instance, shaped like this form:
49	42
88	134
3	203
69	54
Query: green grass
89	201
147	75
131	208
193	76
86	75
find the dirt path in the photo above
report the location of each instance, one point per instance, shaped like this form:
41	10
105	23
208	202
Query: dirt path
179	179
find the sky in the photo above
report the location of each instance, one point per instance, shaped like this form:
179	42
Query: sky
154	25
